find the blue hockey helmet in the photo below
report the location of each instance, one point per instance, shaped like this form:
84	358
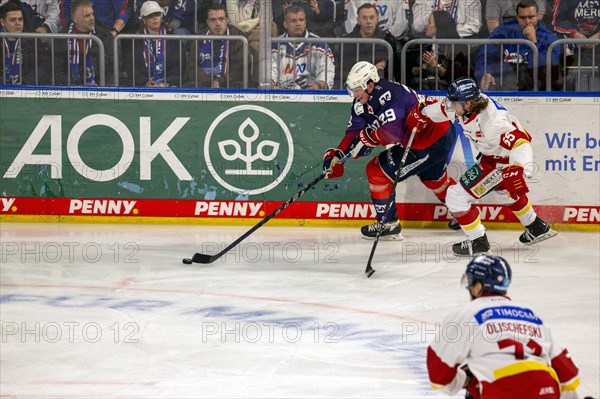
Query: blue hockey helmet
463	89
492	271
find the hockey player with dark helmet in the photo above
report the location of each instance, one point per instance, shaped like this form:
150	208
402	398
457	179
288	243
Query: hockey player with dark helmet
500	348
505	154
466	89
463	89
493	272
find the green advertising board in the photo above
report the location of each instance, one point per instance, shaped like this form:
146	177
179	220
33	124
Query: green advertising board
172	146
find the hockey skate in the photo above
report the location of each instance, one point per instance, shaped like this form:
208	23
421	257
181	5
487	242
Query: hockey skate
474	247
536	232
389	231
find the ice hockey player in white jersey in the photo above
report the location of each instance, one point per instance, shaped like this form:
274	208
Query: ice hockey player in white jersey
498	348
505	154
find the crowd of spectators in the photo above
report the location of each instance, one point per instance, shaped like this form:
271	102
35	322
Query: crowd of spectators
296	64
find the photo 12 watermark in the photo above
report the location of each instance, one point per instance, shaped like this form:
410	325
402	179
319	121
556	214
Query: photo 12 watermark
270	332
69	332
68	252
271	252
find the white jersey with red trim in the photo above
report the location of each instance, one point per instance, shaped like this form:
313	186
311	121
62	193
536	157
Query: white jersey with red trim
491	130
497	338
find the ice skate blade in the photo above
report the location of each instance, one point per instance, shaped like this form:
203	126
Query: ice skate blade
474	254
543	237
393	237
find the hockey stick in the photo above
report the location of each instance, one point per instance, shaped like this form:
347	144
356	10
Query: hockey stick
369	269
204	258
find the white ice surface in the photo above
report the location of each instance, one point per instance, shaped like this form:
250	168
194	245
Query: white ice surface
110	311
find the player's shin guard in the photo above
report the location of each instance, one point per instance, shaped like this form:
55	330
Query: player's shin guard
470	222
476	242
440	188
523	210
381	189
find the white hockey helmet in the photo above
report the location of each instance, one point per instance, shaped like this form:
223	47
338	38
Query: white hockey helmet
361	73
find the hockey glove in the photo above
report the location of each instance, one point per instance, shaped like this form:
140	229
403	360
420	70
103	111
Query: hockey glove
417	119
364	143
514	183
471	384
331	164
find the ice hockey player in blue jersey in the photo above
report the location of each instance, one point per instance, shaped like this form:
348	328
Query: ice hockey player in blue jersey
384	113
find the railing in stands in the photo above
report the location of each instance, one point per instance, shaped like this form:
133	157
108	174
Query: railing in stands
186	39
468	43
51	37
578	69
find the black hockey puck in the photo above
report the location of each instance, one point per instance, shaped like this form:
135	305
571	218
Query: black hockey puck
187	261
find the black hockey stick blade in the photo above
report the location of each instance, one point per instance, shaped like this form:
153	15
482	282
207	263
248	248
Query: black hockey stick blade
369	271
204	258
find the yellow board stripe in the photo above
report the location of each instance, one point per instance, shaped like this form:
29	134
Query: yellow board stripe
591	227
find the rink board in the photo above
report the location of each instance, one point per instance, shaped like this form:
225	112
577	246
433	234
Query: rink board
236	156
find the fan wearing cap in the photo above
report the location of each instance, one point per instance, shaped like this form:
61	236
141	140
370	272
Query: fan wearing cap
156	61
498	348
506	158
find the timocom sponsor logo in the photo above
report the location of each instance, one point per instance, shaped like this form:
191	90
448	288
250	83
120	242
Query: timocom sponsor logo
102	207
580	214
229	208
353	211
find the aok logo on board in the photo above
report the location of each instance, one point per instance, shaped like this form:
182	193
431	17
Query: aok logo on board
248	149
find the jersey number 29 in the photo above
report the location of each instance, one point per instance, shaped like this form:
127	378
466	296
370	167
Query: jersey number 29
388	116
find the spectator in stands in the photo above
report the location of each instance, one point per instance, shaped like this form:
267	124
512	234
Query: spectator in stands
392	16
78	61
178	15
366	28
39	16
466	13
217	63
320	18
498	11
245	15
516	60
113	14
441	64
157	61
181	16
579	20
18	66
301	65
